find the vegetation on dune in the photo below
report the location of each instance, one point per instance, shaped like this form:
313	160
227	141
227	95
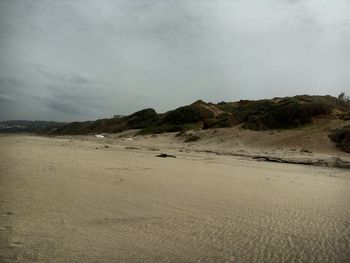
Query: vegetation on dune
284	113
75	128
142	119
188	114
277	113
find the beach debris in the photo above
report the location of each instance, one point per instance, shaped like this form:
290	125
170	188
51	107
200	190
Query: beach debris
99	136
132	148
128	139
153	149
164	155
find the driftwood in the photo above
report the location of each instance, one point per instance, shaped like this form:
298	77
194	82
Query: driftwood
164	155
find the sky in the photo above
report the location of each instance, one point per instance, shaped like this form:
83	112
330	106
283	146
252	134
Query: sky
85	59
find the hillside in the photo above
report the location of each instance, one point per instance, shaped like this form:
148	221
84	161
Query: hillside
277	113
258	115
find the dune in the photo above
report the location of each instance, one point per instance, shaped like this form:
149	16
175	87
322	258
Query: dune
72	199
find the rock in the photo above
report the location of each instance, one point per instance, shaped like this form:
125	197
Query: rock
340	163
193	138
305	151
180	134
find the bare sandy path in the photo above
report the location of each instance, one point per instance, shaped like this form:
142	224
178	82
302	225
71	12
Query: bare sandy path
63	200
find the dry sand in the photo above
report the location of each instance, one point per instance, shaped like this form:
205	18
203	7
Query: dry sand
74	200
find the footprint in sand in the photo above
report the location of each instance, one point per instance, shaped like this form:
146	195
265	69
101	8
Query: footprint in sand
15	244
4	228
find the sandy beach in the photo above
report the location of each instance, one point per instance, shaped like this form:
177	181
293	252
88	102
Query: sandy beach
87	199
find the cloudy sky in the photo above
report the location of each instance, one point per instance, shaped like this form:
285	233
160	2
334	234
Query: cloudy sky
87	59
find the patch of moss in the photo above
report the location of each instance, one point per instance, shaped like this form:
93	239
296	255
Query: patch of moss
193	138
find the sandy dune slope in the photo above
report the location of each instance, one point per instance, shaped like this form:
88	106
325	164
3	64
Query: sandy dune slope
76	200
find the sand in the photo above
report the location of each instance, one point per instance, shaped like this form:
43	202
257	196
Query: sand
72	199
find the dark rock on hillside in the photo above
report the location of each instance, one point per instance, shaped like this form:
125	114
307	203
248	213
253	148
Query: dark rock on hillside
193	138
341	137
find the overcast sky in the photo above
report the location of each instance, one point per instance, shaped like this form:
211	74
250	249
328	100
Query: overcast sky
87	59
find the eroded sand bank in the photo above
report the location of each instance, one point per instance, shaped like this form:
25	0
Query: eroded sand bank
73	200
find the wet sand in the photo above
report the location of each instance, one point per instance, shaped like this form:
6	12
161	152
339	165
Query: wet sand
74	200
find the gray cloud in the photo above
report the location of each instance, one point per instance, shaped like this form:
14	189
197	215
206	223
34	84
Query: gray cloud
57	76
63	106
4	98
87	59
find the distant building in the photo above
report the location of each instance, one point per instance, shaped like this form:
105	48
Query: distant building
117	116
